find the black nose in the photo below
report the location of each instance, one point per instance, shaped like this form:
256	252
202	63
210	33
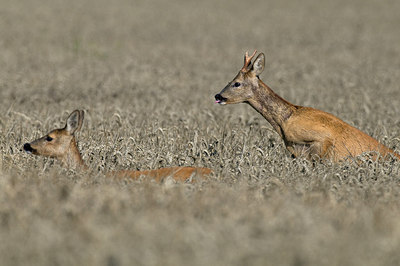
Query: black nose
219	98
27	147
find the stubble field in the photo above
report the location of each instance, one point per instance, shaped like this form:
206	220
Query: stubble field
146	72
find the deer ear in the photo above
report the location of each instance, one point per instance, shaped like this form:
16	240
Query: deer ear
74	121
258	65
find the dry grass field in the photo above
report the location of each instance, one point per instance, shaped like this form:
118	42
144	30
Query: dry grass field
146	73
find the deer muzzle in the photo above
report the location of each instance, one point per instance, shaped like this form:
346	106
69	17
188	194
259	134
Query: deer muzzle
220	99
28	148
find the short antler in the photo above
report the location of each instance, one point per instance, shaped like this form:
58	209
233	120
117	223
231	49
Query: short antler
247	61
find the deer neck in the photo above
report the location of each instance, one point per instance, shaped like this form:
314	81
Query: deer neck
73	158
271	106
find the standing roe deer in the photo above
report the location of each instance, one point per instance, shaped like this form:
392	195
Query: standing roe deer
305	131
61	144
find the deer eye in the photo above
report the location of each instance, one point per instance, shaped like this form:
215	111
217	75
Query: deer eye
48	138
237	84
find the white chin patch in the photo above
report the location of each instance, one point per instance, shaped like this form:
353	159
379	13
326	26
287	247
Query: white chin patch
220	102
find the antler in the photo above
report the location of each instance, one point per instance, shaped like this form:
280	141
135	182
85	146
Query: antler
247	61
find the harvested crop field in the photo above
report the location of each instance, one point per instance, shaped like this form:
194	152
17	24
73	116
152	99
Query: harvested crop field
146	73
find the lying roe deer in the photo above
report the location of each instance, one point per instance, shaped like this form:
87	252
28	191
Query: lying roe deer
61	144
305	131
